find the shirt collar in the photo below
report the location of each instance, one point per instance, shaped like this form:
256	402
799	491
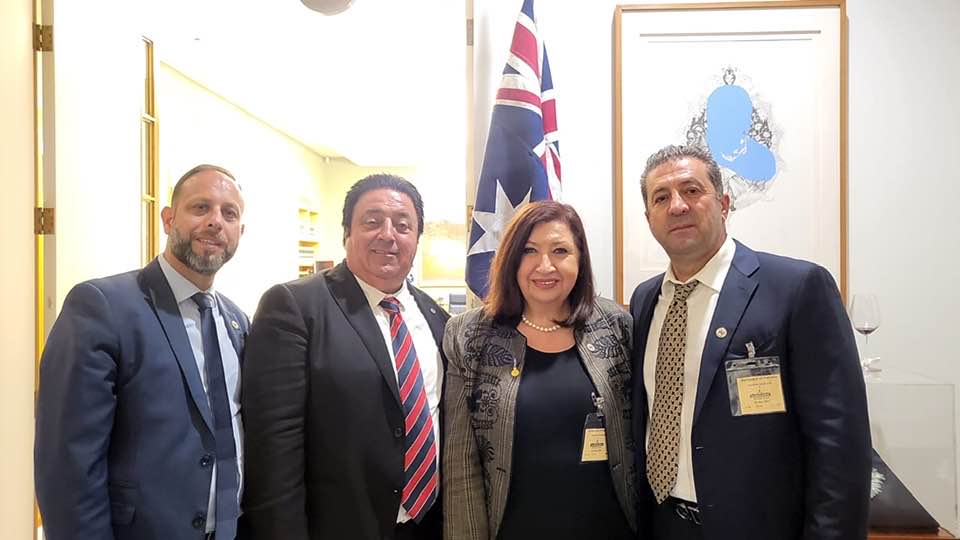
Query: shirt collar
182	287
375	295
711	275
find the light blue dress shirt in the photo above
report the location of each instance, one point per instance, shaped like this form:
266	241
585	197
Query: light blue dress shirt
183	290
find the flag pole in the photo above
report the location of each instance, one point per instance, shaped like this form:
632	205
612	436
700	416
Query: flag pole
470	173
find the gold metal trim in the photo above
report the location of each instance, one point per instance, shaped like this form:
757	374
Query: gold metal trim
42	37
844	90
772	4
618	156
44	220
150	182
40	45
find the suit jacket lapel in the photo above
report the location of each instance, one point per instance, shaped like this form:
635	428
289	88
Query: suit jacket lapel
235	328
436	319
348	295
642	318
159	295
735	295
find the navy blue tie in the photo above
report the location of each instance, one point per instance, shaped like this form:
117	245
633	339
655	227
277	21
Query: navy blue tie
228	476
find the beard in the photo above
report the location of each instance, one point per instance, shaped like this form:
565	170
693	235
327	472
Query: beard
206	264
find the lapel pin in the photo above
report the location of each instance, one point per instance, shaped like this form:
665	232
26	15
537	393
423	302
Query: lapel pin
721	332
591	348
235	325
433	310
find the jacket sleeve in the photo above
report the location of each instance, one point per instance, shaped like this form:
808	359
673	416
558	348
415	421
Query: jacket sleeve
830	401
623	325
75	411
273	398
464	501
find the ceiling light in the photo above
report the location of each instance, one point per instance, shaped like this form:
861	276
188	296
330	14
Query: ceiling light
328	7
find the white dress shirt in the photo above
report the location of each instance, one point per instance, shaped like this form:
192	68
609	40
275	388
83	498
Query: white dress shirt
183	291
701	304
431	368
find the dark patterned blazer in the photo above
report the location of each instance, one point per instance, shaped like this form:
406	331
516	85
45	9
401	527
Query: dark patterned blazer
480	406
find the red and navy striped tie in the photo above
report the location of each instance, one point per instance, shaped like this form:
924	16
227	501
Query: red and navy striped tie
420	457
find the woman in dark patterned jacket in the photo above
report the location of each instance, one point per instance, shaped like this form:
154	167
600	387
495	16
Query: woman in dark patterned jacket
537	404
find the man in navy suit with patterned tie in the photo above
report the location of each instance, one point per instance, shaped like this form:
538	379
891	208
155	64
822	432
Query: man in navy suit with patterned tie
138	432
342	384
749	404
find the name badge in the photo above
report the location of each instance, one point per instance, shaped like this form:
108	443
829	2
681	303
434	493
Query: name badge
594	439
755	386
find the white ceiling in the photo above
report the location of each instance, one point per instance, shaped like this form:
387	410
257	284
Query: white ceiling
382	83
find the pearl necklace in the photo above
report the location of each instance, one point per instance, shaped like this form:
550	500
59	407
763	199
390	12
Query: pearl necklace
527	322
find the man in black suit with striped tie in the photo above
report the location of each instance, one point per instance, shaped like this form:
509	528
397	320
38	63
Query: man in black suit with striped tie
342	383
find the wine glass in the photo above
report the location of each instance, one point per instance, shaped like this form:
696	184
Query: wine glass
865	316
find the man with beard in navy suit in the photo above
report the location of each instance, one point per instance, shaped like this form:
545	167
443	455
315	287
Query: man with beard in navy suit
138	432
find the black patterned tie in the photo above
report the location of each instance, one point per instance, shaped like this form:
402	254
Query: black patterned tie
664	444
228	476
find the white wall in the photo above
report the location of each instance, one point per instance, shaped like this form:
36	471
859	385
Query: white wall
904	136
278	175
16	275
99	91
904	69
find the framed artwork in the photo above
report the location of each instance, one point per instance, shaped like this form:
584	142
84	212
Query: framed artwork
761	86
442	254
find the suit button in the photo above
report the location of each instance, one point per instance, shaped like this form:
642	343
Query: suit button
398	432
199	520
206	460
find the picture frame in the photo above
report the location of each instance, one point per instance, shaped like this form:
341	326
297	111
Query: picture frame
441	259
760	85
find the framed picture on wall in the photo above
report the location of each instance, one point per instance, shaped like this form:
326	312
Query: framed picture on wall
442	254
760	85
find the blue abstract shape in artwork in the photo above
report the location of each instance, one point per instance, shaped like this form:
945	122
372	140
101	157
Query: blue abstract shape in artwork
729	119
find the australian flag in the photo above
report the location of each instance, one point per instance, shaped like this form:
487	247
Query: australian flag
522	160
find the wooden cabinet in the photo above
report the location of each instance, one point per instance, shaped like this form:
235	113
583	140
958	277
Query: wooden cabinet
307	241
